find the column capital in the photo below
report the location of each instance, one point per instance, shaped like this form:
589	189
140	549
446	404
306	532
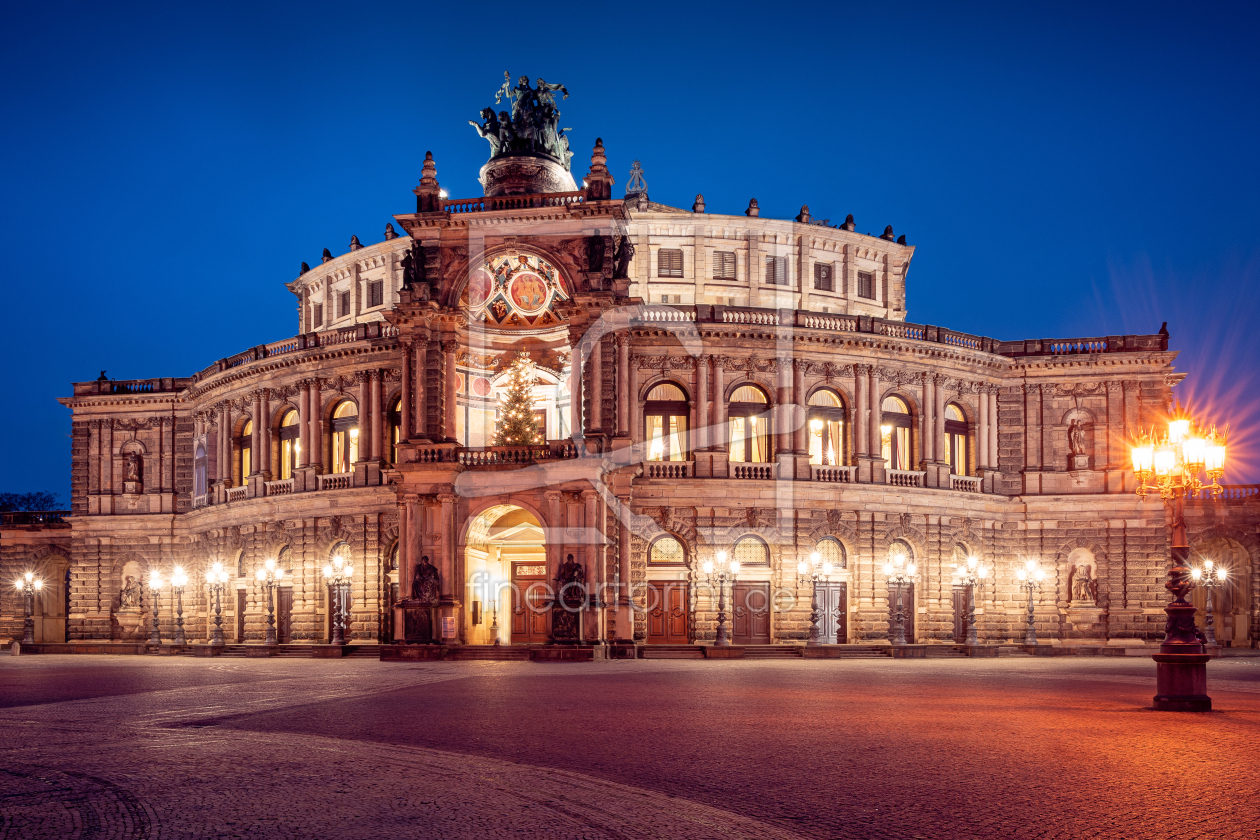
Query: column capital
447	498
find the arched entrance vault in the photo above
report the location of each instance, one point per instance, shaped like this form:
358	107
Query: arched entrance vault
505	558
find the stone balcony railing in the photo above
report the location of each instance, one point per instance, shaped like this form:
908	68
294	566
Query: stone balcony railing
333	481
279	487
669	469
491	204
965	483
843	475
17	518
905	478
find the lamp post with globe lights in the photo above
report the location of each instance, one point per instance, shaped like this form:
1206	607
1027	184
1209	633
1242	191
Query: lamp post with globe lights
1030	577
155	592
338	573
971	575
1171	465
178	581
270	575
1209	576
812	571
899	572
721	573
217	577
28	585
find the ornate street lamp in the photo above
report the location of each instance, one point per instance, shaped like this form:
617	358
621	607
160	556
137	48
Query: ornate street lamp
721	574
178	581
1171	465
270	575
971	576
217	577
1030	578
155	590
338	574
811	572
28	585
899	572
1209	577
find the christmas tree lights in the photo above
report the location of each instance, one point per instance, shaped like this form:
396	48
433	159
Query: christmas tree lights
517	425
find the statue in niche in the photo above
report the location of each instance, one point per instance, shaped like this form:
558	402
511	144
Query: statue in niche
1076	437
570	572
621	258
130	594
133	467
424	583
571	586
1084	587
595	249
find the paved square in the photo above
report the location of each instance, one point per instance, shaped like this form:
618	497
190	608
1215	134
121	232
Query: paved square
134	747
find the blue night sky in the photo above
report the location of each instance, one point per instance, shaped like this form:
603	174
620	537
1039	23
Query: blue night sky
1081	170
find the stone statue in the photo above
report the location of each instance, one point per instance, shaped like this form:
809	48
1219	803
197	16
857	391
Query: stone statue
1076	437
424	583
532	125
621	258
390	233
595	249
133	467
355	244
129	596
488	128
1083	585
570	572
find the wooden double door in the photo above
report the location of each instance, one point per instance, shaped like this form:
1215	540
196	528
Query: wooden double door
750	613
531	601
667	613
833	612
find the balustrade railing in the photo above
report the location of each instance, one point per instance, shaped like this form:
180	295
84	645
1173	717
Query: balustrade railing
965	483
763	317
490	204
488	456
200	501
333	481
669	469
280	487
762	472
844	475
235	494
904	478
669	313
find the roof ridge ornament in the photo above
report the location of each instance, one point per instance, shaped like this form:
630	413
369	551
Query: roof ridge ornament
636	185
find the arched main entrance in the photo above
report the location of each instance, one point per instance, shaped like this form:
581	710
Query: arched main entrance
508	584
49	606
1230	598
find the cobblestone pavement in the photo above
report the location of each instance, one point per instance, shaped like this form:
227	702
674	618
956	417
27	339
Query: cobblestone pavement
133	747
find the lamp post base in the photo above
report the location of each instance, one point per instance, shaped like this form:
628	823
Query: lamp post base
1181	682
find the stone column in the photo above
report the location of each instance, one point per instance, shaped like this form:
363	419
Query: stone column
264	454
700	435
982	429
317	437
718	438
873	433
445	527
255	439
449	386
992	396
367	416
304	423
927	423
408	393
596	422
225	445
860	426
107	455
596	576
554	529
404	562
636	407
783	409
802	412
938	418
378	415
420	387
623	384
575	394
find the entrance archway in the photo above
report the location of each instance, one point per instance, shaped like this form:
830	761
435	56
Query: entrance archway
508	586
49	606
1230	599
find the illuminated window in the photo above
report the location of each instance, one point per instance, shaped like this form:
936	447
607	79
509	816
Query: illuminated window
243	443
290	445
665	414
199	472
894	433
831	551
667	550
956	439
826	428
748	419
751	551
345	439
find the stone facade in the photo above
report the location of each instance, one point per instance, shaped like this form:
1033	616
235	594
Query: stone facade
368	436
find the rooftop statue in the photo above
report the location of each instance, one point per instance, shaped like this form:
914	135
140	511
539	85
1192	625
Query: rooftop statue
533	125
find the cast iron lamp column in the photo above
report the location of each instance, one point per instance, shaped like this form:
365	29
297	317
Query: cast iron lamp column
971	576
1030	578
155	591
28	585
725	572
1174	463
338	574
1210	577
178	581
218	578
899	573
811	572
269	575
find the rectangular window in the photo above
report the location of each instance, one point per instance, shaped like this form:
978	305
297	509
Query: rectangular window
956	445
866	285
822	277
895	447
824	442
376	293
344	300
669	262
667	435
671	298
776	271
723	265
317	318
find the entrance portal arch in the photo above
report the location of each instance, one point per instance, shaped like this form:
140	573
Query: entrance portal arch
508	585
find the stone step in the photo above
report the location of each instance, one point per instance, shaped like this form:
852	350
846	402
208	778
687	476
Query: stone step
671	652
772	651
503	653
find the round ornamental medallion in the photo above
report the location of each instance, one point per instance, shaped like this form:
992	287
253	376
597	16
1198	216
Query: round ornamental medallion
528	293
481	386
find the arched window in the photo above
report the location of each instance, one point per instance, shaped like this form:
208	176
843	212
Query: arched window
956	439
826	428
667	551
345	438
395	429
290	445
665	416
240	563
902	548
895	434
831	551
748	417
393	559
242	444
199	472
284	561
751	551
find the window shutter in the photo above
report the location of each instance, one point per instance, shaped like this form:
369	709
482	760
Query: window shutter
866	285
669	262
319	315
776	271
822	276
723	265
376	291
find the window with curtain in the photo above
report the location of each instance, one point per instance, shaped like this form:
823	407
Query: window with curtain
826	428
199	472
243	443
748	420
956	439
830	550
345	439
667	551
665	415
723	265
290	445
751	551
395	429
895	434
669	262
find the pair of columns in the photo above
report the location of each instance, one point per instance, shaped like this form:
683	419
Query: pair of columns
416	393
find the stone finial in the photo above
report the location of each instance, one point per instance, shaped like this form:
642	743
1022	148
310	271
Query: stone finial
354	243
429	193
305	268
697	206
327	256
390	233
803	216
599	180
887	234
428	171
901	240
753	209
848	223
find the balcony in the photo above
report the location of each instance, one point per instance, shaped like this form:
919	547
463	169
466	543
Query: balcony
669	469
843	475
283	487
905	478
964	483
755	472
333	481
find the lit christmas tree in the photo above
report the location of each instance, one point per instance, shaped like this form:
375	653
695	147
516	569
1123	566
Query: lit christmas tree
517	425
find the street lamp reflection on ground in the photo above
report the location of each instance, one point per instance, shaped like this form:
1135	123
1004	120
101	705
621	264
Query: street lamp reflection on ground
270	575
811	572
971	576
724	572
899	572
217	578
338	574
28	585
155	590
1209	576
1030	577
178	581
